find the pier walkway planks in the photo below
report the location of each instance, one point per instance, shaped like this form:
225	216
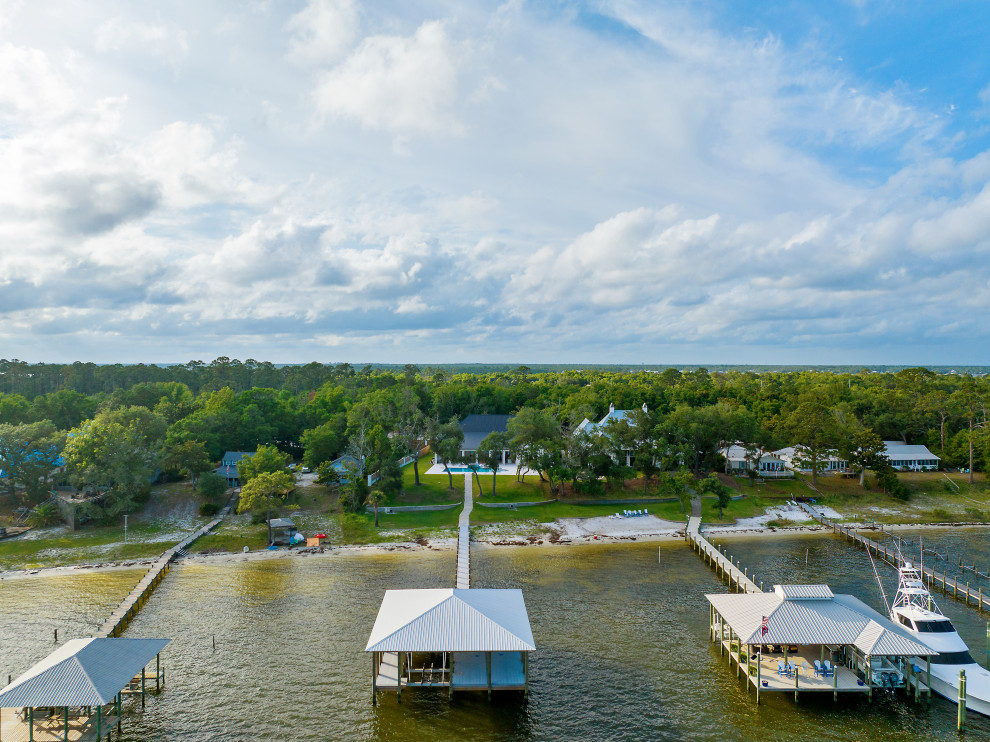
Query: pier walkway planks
722	564
119	619
960	591
464	536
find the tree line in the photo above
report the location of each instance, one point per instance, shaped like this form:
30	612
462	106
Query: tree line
115	429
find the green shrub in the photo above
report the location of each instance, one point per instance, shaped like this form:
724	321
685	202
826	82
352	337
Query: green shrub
45	514
209	508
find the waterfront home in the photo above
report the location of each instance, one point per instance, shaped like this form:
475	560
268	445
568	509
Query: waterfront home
475	428
613	417
76	692
804	638
458	639
740	461
795	459
228	466
910	457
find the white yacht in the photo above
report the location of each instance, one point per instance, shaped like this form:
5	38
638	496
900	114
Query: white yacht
916	610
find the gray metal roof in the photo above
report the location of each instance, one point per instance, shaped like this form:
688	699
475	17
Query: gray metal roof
841	619
82	672
452	620
281	523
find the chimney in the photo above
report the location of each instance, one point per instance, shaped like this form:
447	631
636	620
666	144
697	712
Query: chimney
645	408
611	407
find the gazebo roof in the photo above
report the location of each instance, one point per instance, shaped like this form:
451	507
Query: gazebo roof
452	620
811	614
82	672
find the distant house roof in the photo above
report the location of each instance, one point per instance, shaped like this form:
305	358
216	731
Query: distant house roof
452	620
613	415
738	453
228	465
476	427
281	523
812	614
345	459
899	451
82	672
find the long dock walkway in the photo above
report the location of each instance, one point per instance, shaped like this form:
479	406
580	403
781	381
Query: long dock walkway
939	580
723	565
464	536
129	607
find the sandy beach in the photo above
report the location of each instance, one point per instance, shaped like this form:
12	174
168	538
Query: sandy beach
563	532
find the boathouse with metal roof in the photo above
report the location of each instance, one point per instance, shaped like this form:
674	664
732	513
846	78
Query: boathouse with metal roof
805	638
458	639
76	692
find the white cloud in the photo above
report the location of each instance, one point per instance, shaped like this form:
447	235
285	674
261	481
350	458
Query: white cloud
322	31
165	42
396	83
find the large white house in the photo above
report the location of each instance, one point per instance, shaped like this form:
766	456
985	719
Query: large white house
910	457
613	416
795	461
739	461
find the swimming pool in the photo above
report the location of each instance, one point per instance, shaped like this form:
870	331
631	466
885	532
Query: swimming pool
466	469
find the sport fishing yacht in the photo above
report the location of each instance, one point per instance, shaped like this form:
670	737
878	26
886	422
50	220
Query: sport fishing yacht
916	610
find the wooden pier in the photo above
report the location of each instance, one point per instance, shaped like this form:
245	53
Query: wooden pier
739	579
128	608
464	536
973	597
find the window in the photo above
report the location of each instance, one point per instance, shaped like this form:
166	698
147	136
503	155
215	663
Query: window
936	627
953	658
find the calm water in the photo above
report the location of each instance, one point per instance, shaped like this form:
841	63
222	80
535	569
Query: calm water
622	640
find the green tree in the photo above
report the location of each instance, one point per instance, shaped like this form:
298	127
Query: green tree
265	492
328	475
186	456
29	453
866	450
211	487
712	485
266	460
490	452
533	434
117	453
322	443
445	441
815	426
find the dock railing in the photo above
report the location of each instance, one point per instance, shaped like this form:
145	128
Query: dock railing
933	578
725	567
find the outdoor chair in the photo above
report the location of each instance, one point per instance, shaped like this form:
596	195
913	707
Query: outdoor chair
819	670
780	668
829	669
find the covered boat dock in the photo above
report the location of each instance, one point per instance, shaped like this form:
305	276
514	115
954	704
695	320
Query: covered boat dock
804	638
76	692
458	639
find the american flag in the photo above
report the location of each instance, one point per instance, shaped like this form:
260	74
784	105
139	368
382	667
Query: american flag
765	627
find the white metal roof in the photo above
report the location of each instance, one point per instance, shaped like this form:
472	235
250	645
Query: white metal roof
841	619
452	620
897	451
82	672
804	592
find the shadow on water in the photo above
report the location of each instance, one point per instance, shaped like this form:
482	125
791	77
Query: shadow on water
622	638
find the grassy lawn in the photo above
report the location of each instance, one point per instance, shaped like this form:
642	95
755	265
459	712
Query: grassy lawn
434	489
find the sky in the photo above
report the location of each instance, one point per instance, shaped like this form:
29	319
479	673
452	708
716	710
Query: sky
624	181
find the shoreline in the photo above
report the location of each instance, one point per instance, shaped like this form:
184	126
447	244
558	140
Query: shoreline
552	537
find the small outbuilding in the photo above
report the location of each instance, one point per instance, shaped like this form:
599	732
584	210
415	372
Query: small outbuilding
283	531
76	692
459	639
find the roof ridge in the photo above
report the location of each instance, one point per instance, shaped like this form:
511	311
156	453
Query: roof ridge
417	617
489	618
